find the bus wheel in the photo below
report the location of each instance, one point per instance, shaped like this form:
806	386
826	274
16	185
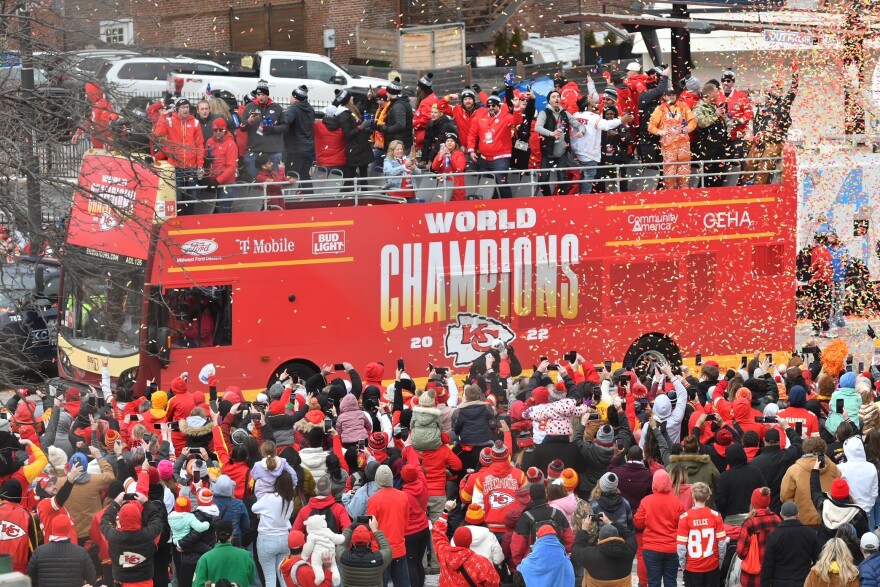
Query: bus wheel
649	348
301	369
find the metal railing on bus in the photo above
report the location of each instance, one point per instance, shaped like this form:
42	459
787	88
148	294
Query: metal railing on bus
329	187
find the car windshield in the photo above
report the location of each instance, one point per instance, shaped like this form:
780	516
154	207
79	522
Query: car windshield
11	300
102	303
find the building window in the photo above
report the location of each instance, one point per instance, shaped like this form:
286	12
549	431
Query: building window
118	32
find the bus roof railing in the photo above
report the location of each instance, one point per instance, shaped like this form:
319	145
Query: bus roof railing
334	189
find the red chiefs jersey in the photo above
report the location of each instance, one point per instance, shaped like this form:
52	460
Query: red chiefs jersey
17	530
701	529
48	510
496	491
809	421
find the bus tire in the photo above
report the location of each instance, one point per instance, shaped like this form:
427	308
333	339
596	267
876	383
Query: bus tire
298	368
652	345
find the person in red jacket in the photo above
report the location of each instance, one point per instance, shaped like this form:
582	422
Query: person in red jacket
456	561
739	112
179	135
464	112
496	490
266	174
658	516
391	507
417	535
329	141
450	159
297	572
19	527
492	133
569	93
179	407
425	99
320	502
223	155
821	282
98	127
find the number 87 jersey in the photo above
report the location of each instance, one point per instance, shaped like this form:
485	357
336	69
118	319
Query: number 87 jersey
701	532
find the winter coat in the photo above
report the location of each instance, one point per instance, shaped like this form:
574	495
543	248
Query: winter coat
608	562
710	137
473	423
556	416
182	523
357	505
699	468
501	128
568	505
789	552
736	484
300	137
316	505
197	431
224	162
132	551
425	428
815	580
546	565
330	143
398	123
180	139
760	525
796	486
485	544
315	460
562	448
358	149
869	571
435	462
457	164
596	456
272	138
422	119
461	116
85	499
616	508
774	462
859	473
435	135
635	482
834	513
352	424
391	508
398	177
453	558
234	511
495	491
658	515
61	564
360	566
852	401
534	515
225	561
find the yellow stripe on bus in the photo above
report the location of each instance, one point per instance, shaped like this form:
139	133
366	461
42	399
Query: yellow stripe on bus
263	264
689	239
654	206
261	227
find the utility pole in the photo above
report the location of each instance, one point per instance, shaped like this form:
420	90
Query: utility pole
855	31
30	162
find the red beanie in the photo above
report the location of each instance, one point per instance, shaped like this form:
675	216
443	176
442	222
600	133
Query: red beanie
760	501
409	473
378	441
541	395
276	408
474	515
724	437
182	504
360	536
840	489
462	537
486	456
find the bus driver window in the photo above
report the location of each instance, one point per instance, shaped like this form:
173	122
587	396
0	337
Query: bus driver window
198	317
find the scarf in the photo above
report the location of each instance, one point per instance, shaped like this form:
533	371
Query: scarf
379	137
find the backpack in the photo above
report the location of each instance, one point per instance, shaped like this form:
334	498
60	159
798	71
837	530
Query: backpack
329	516
557	527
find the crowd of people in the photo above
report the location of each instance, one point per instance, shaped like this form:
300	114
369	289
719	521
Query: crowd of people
640	117
764	474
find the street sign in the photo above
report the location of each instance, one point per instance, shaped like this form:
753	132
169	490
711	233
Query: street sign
790	38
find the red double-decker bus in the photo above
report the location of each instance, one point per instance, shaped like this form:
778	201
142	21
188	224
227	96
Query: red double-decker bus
617	276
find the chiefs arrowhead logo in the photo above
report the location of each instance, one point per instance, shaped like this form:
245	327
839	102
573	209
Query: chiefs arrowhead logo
471	335
107	222
500	500
10	531
131	559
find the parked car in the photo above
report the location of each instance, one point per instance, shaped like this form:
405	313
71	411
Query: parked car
29	311
148	76
284	71
56	112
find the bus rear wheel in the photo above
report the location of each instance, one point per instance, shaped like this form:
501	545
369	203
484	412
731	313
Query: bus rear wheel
650	348
301	369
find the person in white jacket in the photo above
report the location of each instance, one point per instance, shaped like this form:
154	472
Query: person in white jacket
663	409
587	149
483	541
861	476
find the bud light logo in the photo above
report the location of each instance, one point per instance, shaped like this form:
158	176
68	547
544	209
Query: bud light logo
10	531
200	247
472	335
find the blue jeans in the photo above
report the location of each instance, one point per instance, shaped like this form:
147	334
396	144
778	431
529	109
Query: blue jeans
397	572
250	166
186	178
662	567
588	173
224	197
874	515
502	164
271	550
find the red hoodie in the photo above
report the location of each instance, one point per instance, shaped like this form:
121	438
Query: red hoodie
417	493
435	463
102	116
179	408
658	515
745	417
343	520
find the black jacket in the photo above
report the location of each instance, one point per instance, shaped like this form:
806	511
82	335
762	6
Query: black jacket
131	552
736	484
833	513
435	135
774	462
790	550
358	149
562	448
195	544
610	559
300	137
399	123
648	102
61	564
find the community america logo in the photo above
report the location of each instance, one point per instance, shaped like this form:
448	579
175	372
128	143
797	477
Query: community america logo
471	335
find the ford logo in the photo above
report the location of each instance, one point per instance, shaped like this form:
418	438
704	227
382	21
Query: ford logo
201	247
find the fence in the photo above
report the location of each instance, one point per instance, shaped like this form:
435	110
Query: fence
58	160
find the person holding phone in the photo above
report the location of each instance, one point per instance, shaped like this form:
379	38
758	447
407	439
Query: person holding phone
797	479
845	397
358	563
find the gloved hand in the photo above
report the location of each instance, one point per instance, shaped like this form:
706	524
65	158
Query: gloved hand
477	88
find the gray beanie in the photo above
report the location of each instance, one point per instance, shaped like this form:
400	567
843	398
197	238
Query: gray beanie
384	476
608	531
323	486
692	84
224	486
605	436
608	482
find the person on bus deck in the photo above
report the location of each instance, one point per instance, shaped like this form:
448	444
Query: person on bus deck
771	124
266	174
223	156
672	121
177	133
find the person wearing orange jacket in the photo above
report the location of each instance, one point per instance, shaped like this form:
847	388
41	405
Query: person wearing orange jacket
178	134
223	156
425	100
672	121
98	126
